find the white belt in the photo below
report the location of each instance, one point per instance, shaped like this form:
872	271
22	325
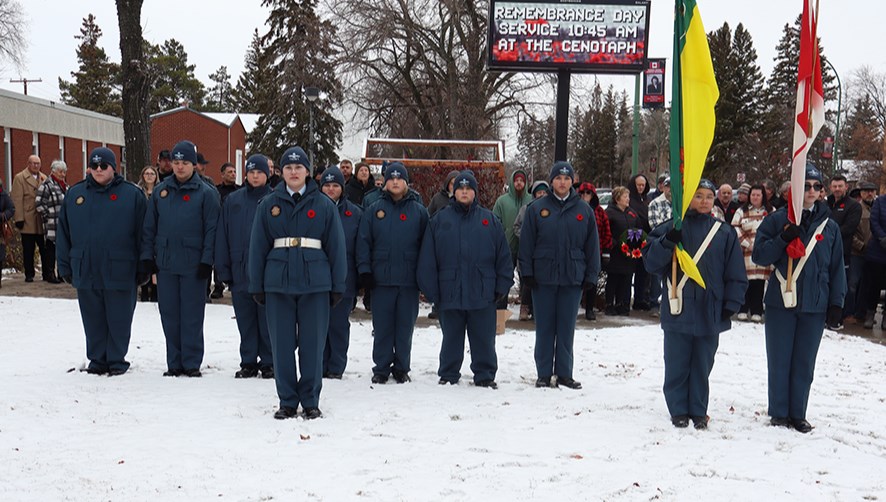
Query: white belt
295	242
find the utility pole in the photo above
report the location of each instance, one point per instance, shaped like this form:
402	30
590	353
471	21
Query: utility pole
25	82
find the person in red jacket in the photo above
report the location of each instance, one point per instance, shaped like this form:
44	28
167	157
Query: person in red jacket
588	194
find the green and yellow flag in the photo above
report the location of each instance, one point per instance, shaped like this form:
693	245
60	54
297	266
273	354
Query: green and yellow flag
695	93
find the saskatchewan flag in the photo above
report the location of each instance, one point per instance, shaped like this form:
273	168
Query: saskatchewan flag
692	116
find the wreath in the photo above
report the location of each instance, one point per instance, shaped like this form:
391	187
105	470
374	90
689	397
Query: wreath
631	242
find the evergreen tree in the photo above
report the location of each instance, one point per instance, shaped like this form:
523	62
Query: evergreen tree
220	97
94	85
536	146
173	78
299	52
862	137
255	89
596	137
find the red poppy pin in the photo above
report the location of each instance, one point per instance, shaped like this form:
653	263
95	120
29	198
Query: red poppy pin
402	217
113	196
819	237
485	223
579	217
348	213
842	206
632	214
186	198
311	213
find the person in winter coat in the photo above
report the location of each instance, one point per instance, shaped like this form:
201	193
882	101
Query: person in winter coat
464	267
28	222
639	203
388	242
147	181
539	189
659	212
335	356
559	258
588	193
231	265
795	320
361	183
98	236
441	199
50	196
847	212
298	268
856	293
7	211
178	243
506	208
746	220
621	267
693	323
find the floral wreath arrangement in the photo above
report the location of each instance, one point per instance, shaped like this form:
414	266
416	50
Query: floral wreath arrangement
632	241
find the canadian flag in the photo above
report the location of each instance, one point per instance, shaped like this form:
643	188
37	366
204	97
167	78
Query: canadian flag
809	109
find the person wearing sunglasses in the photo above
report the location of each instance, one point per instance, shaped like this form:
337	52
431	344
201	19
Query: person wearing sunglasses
97	239
178	243
796	311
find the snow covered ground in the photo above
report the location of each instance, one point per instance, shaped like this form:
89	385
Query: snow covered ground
67	435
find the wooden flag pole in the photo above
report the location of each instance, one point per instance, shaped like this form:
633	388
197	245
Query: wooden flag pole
674	275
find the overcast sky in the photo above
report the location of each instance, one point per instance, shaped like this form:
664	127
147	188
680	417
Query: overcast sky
218	32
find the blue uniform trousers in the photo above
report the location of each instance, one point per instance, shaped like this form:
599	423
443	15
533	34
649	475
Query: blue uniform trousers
480	326
182	302
555	309
298	322
394	310
792	341
335	356
689	360
252	322
107	321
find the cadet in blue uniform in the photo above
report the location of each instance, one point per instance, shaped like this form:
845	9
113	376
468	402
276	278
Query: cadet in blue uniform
335	357
795	321
179	241
559	258
693	323
464	267
390	235
99	230
298	265
231	250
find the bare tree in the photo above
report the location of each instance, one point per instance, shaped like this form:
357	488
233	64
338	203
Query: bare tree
12	30
136	86
417	69
868	83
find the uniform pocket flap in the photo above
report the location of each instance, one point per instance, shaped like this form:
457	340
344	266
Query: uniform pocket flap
577	254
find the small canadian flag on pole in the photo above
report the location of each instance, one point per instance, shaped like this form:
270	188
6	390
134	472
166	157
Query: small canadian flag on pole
810	105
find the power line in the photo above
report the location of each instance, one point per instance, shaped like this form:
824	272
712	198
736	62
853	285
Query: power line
25	82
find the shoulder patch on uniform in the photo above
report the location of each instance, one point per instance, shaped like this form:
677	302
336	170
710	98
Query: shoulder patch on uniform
545	213
164	193
275	211
380	214
80	200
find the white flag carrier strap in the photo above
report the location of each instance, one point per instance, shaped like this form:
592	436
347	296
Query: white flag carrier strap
677	303
790	297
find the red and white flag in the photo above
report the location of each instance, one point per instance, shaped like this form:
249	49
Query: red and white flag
810	106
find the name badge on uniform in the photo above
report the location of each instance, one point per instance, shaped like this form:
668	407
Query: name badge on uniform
163	193
275	211
545	213
380	214
80	200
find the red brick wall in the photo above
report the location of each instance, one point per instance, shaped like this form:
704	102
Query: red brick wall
49	151
238	142
74	159
22	146
210	136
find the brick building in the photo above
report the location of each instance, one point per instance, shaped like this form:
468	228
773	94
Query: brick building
220	137
53	131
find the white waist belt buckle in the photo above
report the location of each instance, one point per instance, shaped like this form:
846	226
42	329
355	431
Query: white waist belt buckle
294	242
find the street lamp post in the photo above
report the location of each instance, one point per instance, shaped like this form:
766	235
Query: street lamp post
312	94
839	112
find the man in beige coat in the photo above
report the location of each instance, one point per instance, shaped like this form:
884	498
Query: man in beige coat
28	222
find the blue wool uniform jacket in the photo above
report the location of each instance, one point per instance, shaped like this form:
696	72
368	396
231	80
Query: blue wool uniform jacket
722	268
822	282
350	215
99	234
233	234
389	239
180	225
465	262
559	244
297	270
